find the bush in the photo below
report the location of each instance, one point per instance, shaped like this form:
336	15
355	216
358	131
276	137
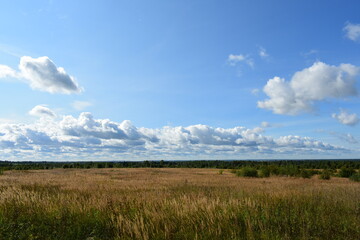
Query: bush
325	175
247	172
283	171
346	172
305	173
274	170
264	172
355	177
100	165
233	171
292	171
65	166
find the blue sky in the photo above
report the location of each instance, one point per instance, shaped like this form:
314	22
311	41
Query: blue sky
134	80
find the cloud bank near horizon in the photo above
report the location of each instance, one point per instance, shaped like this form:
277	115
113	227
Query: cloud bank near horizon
86	138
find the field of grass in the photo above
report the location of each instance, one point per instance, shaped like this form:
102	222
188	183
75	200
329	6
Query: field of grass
174	204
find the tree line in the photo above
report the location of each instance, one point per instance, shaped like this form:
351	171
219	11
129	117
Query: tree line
220	164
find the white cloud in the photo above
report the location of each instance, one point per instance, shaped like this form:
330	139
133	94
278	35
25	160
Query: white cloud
235	59
310	52
81	105
352	31
42	74
6	71
87	126
263	53
316	83
255	91
350	138
86	137
42	111
5	120
265	125
346	118
45	76
347	137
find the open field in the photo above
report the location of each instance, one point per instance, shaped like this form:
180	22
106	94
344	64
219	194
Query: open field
166	203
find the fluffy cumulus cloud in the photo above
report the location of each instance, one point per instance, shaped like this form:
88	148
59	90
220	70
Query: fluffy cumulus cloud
352	31
42	111
42	74
316	83
350	119
87	138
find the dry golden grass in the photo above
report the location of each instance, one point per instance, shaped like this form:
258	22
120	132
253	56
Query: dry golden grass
174	204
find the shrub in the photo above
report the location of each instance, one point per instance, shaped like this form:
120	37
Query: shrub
233	171
274	170
247	172
100	165
65	166
283	171
325	175
292	171
221	171
355	177
305	173
346	172
264	172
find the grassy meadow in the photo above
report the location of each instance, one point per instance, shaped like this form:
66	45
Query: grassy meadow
166	203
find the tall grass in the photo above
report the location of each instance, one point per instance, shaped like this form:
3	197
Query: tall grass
174	204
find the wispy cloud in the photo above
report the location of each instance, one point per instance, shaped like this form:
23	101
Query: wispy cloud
265	124
81	105
347	137
263	53
10	50
234	59
310	52
255	91
8	72
350	138
352	31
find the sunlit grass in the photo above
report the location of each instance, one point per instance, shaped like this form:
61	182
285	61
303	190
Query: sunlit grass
174	204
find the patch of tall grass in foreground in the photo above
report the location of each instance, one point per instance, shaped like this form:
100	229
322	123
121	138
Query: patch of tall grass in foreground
174	204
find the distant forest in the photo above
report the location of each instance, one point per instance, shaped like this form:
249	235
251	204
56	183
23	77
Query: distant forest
220	164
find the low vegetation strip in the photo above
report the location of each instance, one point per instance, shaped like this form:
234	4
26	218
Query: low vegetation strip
165	203
220	164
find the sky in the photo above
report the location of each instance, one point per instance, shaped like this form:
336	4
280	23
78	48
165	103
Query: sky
179	80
